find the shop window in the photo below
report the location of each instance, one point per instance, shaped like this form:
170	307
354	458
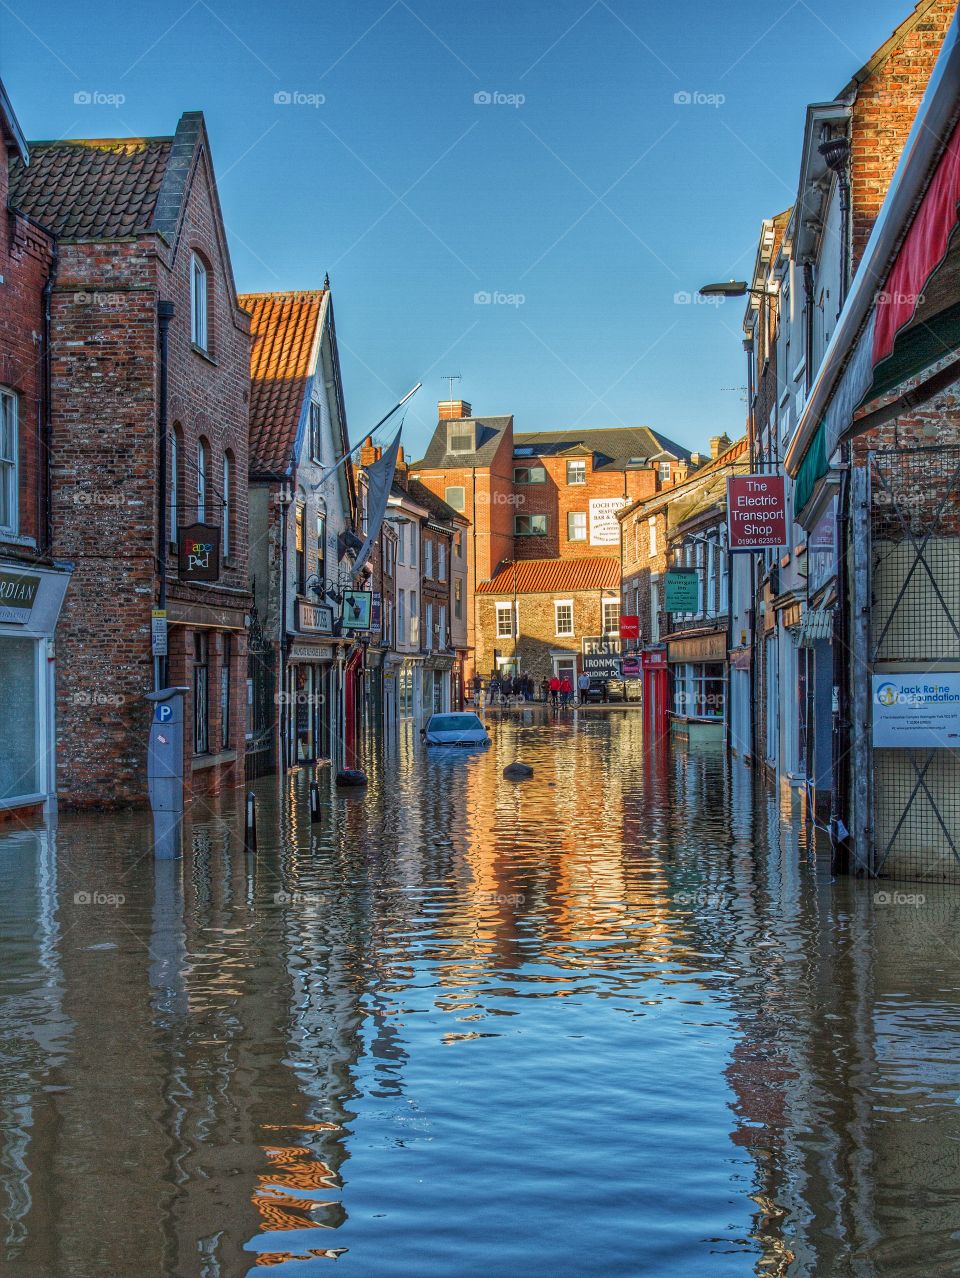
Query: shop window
19	705
225	672
201	692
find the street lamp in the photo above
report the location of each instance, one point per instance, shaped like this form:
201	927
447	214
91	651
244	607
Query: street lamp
734	288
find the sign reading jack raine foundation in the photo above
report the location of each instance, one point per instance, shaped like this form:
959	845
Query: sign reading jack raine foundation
916	710
756	512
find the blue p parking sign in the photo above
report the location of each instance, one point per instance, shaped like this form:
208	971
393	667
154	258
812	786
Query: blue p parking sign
163	712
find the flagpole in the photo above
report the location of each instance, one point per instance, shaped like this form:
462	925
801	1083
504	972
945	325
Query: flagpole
347	455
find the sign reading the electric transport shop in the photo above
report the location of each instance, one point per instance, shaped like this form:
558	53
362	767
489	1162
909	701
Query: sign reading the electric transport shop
18	591
199	552
756	512
916	710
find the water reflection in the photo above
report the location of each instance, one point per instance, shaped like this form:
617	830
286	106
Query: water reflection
613	1020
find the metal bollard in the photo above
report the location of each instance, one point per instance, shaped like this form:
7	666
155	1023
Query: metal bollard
314	802
250	823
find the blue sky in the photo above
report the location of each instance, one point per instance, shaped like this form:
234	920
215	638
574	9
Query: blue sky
577	194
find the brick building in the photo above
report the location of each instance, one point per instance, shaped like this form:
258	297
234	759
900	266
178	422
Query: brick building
540	496
534	615
301	506
32	585
138	224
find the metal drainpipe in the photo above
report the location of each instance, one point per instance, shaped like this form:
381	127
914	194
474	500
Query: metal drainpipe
165	311
284	504
44	496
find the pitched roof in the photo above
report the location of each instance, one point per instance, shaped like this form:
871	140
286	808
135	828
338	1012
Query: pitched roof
731	455
91	189
10	127
489	434
437	507
614	447
284	329
553	576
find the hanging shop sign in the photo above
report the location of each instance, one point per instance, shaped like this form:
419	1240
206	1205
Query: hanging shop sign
916	710
682	590
314	617
632	665
604	525
376	611
756	512
199	552
629	627
18	593
356	609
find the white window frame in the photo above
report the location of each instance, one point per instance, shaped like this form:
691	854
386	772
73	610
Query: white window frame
199	303
577	514
577	472
511	612
606	603
10	460
664	469
563	633
428	557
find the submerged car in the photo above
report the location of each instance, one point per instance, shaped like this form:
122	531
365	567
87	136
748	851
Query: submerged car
456	729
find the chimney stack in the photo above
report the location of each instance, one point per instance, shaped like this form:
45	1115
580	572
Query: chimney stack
370	452
401	475
450	409
718	444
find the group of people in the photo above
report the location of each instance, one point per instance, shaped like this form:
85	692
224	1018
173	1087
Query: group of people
500	688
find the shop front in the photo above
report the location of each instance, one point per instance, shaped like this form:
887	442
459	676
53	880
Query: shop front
436	685
310	700
698	676
30	602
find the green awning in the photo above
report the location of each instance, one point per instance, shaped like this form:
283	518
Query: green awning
812	468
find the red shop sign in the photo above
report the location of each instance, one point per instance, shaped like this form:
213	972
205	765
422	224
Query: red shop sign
629	627
756	512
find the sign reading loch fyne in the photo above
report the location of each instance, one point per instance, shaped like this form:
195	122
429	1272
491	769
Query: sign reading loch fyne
756	512
200	553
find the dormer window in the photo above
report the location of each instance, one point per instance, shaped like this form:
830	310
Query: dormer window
576	472
461	437
198	303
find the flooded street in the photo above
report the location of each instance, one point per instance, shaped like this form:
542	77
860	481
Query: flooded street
615	1020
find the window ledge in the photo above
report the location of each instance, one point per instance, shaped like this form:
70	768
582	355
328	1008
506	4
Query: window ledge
10	538
198	350
202	761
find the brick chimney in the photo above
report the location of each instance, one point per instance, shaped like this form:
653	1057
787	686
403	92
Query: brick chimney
718	444
370	452
449	409
402	473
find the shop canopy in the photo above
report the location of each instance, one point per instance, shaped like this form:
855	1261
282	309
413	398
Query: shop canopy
903	313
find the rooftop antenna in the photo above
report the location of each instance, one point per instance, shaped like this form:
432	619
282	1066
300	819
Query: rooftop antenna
450	378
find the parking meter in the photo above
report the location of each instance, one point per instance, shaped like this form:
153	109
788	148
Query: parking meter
165	771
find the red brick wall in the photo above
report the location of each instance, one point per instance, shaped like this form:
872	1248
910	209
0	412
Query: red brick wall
104	483
25	258
556	498
883	114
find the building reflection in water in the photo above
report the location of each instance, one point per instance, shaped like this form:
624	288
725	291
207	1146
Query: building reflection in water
214	1051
